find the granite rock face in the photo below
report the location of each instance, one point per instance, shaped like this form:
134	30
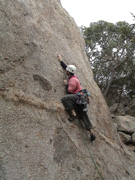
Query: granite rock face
36	140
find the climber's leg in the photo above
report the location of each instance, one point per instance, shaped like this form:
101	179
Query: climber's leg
88	126
86	120
69	102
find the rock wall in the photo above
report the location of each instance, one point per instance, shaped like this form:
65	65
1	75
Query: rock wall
37	142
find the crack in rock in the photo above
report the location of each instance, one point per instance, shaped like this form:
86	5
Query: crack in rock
31	100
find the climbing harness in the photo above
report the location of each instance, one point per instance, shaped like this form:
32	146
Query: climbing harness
100	174
83	98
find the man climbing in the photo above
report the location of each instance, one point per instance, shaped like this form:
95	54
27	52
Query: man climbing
69	101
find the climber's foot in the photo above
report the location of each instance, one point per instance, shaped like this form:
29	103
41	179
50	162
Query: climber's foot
92	137
71	118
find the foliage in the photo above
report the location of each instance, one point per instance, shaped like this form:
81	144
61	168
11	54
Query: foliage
133	15
111	50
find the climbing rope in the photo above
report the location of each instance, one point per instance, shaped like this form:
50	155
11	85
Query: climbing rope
100	174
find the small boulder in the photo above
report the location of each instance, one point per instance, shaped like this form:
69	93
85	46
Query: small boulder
126	124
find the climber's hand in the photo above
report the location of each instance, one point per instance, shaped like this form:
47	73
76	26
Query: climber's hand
65	82
59	57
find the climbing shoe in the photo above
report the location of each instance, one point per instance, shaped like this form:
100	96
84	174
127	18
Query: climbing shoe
71	118
92	137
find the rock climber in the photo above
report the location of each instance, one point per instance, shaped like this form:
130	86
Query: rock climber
72	87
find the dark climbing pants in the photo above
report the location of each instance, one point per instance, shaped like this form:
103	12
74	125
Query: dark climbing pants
84	117
69	102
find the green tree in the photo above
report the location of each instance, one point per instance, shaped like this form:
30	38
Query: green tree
111	50
133	15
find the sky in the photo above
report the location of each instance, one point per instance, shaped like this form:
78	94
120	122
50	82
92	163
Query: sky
86	11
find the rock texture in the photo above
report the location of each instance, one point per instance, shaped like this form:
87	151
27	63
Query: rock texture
37	142
133	138
126	124
126	139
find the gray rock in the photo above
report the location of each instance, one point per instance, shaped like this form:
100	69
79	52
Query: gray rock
126	124
133	138
36	140
126	139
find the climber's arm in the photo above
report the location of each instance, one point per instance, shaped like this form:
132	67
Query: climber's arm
64	66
